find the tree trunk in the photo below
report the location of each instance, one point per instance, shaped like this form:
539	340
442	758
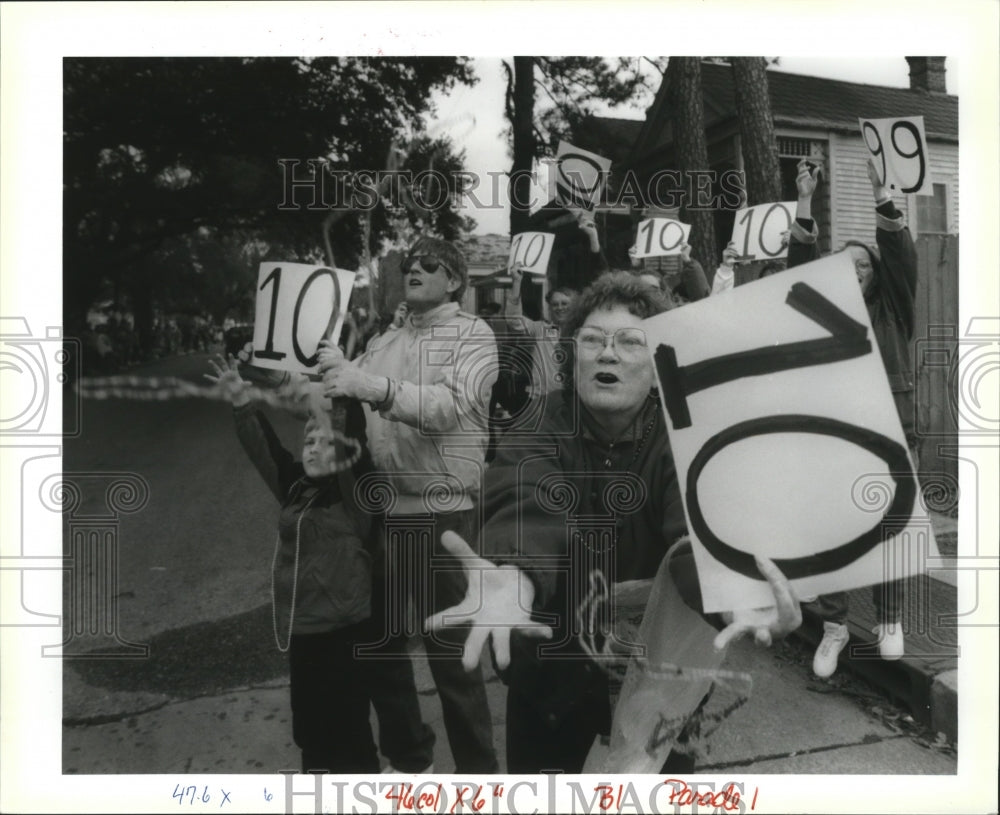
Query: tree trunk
760	148
522	113
687	116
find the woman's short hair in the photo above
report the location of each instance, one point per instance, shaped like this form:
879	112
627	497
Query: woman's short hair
563	290
447	252
609	290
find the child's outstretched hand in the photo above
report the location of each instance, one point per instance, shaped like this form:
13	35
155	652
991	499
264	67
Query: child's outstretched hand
228	380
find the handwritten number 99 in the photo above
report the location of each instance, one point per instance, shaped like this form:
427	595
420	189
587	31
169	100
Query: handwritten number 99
878	150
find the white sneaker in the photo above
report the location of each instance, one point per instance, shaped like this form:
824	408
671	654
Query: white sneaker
390	770
890	640
835	637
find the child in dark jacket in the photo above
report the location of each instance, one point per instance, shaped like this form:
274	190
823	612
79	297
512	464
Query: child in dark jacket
321	583
887	274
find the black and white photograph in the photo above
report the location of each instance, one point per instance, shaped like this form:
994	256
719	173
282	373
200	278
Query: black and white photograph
398	419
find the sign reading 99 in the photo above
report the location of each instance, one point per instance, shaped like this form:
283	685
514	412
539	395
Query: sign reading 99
899	149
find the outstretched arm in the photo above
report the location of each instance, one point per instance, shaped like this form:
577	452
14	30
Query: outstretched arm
804	234
274	463
498	600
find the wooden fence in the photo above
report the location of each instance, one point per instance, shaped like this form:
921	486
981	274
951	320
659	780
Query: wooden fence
935	355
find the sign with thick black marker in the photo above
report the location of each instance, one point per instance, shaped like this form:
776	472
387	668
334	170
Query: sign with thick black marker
899	149
579	176
297	306
786	438
757	230
660	237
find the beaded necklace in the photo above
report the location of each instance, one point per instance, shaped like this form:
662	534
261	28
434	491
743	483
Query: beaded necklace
650	403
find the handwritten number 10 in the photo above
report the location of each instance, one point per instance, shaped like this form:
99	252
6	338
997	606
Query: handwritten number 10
648	229
523	258
268	351
748	219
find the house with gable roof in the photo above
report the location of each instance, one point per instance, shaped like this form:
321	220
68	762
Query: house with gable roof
817	118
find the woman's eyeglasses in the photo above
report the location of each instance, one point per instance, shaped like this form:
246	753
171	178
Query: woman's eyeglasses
628	342
429	263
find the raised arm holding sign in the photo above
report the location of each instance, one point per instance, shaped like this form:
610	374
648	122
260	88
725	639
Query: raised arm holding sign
886	274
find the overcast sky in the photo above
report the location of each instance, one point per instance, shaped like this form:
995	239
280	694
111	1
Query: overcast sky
474	116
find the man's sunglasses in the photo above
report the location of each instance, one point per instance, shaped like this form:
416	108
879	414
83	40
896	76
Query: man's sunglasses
429	263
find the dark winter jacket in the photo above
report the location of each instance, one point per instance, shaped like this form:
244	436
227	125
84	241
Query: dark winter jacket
322	560
569	503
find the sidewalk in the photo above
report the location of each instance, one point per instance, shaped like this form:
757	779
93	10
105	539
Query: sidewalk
248	729
926	679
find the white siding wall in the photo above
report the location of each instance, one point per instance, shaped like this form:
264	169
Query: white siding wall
853	206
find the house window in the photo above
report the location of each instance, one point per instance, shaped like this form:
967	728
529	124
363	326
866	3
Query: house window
790	152
797	148
932	211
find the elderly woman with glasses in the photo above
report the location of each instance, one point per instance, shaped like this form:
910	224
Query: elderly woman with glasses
606	427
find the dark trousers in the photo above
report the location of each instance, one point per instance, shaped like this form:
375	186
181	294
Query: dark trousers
420	574
537	743
330	701
886	597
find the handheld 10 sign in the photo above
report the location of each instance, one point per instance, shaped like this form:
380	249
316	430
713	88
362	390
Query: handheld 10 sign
297	306
532	250
660	237
786	438
757	230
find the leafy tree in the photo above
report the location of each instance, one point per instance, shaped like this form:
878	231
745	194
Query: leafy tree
163	156
571	88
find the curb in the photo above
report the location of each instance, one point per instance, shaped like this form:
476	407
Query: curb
929	688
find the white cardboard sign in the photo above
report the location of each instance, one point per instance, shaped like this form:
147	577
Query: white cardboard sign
660	237
786	438
297	306
899	148
757	230
579	176
532	250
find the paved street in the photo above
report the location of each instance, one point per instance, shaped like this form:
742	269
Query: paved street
212	696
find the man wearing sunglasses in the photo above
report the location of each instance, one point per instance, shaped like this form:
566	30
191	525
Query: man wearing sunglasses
428	385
